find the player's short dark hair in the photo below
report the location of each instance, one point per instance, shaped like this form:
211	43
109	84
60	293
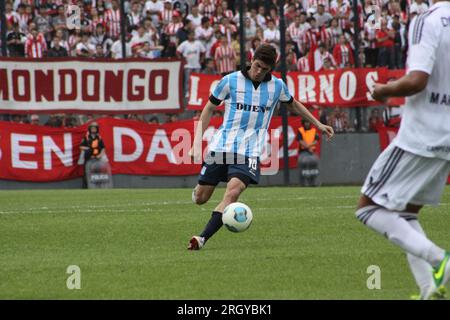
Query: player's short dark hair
267	54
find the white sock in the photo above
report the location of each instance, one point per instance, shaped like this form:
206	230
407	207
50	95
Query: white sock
419	267
400	232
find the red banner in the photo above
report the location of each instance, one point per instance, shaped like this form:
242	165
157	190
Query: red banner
36	153
90	86
386	135
333	88
394	75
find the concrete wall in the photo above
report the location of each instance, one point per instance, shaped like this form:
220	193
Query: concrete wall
345	160
348	158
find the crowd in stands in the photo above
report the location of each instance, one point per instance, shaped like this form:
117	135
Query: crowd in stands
205	34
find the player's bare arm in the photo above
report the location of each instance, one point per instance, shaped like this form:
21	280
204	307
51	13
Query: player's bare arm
407	85
205	117
298	108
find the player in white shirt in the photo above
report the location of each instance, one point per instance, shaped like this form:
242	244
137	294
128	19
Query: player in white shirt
413	170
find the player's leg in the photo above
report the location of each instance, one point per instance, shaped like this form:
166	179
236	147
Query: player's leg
420	268
234	188
202	193
397	179
211	174
241	173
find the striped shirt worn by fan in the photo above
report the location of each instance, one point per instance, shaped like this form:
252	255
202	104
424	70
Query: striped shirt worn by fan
249	107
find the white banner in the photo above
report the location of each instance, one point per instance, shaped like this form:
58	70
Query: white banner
96	86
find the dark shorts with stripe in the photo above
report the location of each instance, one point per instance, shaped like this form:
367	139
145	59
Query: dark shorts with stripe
221	167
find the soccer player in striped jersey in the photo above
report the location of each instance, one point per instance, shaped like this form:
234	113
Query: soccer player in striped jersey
250	97
412	171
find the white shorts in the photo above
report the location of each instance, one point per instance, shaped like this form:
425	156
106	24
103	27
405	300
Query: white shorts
399	177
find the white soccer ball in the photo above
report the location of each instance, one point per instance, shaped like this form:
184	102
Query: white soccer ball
237	217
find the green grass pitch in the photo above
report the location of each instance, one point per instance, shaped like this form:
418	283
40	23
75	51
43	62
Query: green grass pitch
304	243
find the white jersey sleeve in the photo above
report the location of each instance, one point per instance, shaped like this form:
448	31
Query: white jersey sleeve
424	38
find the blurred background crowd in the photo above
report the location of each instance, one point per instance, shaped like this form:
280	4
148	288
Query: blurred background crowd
205	34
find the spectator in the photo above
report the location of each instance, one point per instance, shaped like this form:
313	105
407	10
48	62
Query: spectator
112	20
308	138
135	17
69	121
195	16
399	42
375	120
23	17
207	8
92	147
34	119
96	19
192	51
385	43
116	49
324	54
371	45
303	63
35	45
99	53
154	9
321	16
205	34
339	121
17	118
171	117
272	34
249	29
42	21
57	50
15	41
343	54
54	121
84	48
100	38
418	7
236	46
328	64
59	21
313	35
225	57
153	120
182	33
210	67
62	41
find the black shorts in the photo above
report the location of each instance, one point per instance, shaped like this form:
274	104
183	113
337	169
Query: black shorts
219	166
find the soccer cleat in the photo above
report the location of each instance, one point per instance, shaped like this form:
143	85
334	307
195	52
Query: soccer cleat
441	274
441	277
439	294
196	243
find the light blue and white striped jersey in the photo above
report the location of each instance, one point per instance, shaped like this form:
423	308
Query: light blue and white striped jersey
248	112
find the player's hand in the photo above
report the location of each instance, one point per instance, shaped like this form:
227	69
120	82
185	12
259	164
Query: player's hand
378	92
327	130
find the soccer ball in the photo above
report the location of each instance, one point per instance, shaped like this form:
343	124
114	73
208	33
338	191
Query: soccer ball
237	217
